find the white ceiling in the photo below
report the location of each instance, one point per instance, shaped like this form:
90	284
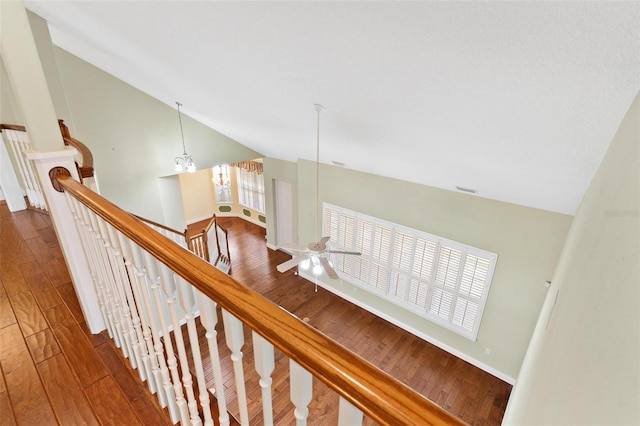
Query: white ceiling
518	100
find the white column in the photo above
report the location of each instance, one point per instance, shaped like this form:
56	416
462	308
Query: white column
27	78
24	69
65	227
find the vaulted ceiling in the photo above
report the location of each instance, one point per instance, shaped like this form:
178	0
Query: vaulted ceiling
517	100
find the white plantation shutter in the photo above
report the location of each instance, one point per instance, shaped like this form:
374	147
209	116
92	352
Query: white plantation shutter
339	227
364	237
401	264
422	269
439	279
474	277
331	224
448	267
380	257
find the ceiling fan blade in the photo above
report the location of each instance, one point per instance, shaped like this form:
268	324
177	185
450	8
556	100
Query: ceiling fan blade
324	240
285	266
357	253
294	247
328	268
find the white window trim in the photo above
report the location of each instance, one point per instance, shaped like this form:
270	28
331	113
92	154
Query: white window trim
254	192
216	184
485	258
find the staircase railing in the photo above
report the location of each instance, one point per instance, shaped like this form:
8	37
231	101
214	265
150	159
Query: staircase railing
18	143
212	244
149	287
85	163
176	236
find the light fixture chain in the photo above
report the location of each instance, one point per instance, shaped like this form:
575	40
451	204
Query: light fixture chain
318	110
184	148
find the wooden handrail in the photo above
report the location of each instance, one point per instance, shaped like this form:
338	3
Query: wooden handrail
86	169
378	395
159	225
15	127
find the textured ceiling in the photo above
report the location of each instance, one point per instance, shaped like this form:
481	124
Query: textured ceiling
518	100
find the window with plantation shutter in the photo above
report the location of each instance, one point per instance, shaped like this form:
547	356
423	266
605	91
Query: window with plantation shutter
440	279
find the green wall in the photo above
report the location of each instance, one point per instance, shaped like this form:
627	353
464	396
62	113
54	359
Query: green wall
134	139
528	242
583	364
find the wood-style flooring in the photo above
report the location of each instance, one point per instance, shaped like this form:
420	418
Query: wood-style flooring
53	371
471	394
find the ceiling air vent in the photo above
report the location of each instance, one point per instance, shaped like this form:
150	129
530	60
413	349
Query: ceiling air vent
463	189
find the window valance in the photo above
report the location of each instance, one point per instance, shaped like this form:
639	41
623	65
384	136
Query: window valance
252	166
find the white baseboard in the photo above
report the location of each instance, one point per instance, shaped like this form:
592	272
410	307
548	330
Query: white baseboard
500	375
229	214
272	247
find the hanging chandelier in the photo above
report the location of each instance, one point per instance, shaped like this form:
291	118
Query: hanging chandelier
184	162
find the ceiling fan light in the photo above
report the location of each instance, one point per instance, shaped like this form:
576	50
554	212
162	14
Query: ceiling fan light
317	269
178	166
305	264
191	167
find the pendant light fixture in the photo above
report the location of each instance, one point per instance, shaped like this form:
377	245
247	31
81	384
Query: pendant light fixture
185	162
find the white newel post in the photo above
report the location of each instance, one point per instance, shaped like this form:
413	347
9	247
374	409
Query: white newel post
68	235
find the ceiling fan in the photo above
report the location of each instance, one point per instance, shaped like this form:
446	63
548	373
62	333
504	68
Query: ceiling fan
314	254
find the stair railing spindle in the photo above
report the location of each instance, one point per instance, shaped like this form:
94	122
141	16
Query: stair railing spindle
142	296
188	304
209	319
263	354
168	288
187	379
348	415
301	389
139	348
166	343
235	340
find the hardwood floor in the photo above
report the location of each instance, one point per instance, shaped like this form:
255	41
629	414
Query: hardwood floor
466	391
53	371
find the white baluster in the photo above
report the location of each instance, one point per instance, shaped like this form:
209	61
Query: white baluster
301	389
187	379
131	289
157	301
209	319
264	360
151	278
140	293
235	340
169	289
113	267
20	143
187	301
104	269
96	263
348	414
